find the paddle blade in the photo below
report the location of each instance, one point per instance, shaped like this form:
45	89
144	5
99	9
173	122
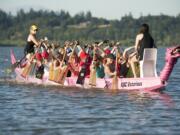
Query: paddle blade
114	83
92	79
26	70
81	77
63	75
56	74
51	72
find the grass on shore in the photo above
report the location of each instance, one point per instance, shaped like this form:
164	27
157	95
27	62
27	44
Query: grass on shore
12	43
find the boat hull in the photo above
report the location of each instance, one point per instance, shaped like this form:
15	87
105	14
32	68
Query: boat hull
149	83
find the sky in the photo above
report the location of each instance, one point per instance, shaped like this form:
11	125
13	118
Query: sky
110	9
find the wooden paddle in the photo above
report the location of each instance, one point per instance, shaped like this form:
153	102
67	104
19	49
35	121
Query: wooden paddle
65	68
115	78
27	68
92	79
60	70
56	73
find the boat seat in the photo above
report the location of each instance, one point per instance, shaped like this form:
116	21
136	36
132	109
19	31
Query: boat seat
148	64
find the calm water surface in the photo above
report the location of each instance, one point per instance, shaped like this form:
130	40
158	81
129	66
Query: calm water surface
28	109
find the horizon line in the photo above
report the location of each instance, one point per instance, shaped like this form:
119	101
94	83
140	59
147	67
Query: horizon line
85	12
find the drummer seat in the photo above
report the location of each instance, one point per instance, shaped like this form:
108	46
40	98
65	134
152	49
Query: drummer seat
148	64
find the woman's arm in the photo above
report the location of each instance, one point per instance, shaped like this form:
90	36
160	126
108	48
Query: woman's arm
101	51
138	39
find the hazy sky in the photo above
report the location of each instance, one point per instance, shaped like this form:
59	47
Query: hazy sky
111	9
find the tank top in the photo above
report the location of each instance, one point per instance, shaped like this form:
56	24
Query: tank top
146	42
29	47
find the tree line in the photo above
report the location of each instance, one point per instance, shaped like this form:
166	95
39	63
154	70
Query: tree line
61	26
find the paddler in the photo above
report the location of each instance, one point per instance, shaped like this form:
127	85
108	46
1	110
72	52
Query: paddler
109	67
73	61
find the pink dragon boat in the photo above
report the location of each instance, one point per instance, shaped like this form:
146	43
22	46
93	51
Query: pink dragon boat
147	81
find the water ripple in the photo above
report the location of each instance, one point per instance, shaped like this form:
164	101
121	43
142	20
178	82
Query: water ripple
30	109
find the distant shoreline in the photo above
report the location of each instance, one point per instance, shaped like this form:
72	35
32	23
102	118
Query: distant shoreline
12	43
9	45
61	26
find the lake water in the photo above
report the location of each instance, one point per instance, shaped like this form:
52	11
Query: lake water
28	109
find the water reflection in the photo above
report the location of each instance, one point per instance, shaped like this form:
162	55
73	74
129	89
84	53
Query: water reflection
145	97
33	108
